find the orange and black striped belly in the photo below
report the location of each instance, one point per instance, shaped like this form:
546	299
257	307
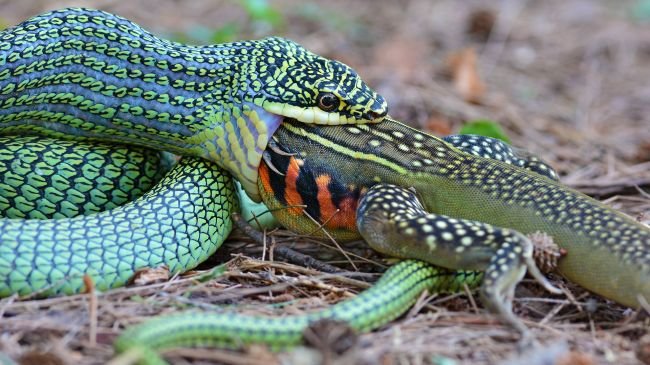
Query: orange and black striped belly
307	196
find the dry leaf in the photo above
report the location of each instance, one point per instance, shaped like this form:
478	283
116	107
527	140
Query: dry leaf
403	55
331	337
576	358
546	252
438	124
40	358
465	76
150	276
643	349
480	24
643	152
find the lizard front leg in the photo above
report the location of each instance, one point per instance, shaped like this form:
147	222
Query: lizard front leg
392	220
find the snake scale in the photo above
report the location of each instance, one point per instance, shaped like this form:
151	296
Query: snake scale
248	111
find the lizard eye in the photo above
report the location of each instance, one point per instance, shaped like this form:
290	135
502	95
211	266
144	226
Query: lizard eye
328	101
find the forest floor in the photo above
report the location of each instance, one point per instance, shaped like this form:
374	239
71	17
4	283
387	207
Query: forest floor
566	79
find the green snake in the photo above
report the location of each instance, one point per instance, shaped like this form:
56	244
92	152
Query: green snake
91	76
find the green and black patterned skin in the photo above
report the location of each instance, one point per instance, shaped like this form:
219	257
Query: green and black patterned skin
498	150
89	75
85	73
45	178
178	224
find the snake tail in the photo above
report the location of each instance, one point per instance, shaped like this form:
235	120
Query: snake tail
390	297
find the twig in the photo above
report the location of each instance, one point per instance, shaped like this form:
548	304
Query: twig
92	310
220	357
296	257
326	233
342	277
470	297
282	251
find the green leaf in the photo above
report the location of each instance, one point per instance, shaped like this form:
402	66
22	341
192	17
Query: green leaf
137	298
212	274
203	35
227	33
485	127
442	360
261	11
641	10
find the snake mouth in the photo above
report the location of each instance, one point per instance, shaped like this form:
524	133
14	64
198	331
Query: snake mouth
376	117
314	115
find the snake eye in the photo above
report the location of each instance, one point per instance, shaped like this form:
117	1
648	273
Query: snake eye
328	101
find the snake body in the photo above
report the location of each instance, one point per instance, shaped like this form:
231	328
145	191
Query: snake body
177	229
82	73
89	75
45	178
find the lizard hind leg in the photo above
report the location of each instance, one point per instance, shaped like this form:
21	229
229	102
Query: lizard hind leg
392	220
495	149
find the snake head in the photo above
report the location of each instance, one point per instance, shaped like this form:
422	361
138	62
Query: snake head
313	89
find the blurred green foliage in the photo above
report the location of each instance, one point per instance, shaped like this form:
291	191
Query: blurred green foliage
485	127
641	10
327	18
214	273
262	19
204	35
262	12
